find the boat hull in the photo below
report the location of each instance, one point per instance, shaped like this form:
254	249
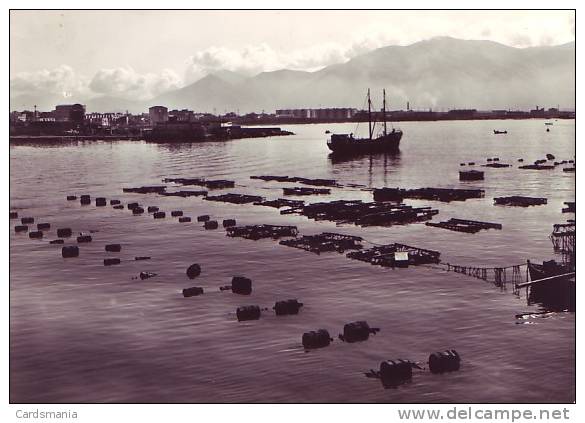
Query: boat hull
343	144
557	294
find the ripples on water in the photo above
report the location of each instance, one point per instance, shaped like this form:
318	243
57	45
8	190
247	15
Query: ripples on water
82	332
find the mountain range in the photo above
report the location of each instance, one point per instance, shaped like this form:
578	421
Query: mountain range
439	73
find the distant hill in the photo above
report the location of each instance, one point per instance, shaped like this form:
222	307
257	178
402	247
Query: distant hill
438	73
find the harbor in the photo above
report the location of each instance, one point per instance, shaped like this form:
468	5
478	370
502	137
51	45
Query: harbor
142	307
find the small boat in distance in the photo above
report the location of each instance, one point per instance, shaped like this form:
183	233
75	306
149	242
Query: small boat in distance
548	123
499	132
387	142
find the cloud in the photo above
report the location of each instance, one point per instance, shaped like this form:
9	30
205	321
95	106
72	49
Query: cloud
364	45
546	40
127	83
253	59
520	40
62	81
249	60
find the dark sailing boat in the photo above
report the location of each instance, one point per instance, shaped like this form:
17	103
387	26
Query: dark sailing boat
557	289
387	142
553	284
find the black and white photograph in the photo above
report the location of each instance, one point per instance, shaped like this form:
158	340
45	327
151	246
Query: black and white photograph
278	206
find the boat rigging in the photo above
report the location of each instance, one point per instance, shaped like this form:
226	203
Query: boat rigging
387	142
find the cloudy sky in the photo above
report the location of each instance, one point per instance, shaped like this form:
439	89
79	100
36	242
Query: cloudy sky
140	54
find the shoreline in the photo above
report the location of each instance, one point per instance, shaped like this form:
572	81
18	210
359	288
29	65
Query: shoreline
392	119
25	139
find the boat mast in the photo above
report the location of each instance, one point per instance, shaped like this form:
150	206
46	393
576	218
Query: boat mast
384	110
369	114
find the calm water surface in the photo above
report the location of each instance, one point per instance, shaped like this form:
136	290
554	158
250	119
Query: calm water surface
82	332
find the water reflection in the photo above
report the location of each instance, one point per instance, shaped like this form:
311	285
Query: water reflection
385	159
173	147
387	162
59	143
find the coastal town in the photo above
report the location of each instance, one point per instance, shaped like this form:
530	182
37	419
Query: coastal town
72	121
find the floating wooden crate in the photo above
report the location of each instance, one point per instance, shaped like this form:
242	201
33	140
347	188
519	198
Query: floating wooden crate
519	201
438	194
256	232
235	198
470	175
461	225
324	242
385	255
364	214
